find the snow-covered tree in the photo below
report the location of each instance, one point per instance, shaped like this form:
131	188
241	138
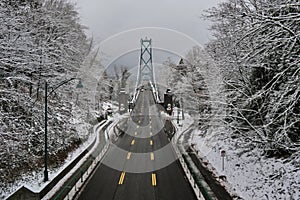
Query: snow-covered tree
186	80
39	41
257	49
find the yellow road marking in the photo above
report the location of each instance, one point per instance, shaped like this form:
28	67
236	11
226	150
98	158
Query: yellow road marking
132	142
153	179
151	142
150	133
128	155
152	156
150	126
121	180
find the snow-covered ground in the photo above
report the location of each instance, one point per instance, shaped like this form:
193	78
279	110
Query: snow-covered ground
251	175
34	180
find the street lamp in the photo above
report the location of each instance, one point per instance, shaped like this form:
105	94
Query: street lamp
178	113
79	85
182	113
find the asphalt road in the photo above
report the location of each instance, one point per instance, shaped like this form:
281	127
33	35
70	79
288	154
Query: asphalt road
141	164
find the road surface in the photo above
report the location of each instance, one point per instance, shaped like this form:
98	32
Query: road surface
141	163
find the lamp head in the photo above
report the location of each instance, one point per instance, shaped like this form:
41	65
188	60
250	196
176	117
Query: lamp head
79	85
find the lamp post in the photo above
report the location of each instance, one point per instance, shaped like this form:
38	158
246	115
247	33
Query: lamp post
46	178
79	85
178	113
182	113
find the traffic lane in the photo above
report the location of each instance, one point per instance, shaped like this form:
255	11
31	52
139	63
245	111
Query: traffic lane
170	180
160	140
132	144
138	105
173	184
143	140
131	179
133	185
102	185
108	183
141	116
141	119
154	124
136	187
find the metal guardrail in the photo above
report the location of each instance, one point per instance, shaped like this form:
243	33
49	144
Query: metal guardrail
24	191
71	187
215	185
193	177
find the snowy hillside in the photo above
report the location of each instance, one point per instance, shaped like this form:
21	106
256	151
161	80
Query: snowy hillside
42	41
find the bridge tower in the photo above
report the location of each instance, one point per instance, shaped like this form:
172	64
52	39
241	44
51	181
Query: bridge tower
146	71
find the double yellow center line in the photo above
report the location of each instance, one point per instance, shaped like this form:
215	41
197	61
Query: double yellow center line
153	179
121	180
153	176
122	177
151	156
128	155
132	142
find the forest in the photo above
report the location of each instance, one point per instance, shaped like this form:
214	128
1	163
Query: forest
243	91
257	49
248	73
40	41
245	79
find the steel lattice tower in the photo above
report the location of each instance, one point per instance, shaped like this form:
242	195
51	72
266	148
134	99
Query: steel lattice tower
145	71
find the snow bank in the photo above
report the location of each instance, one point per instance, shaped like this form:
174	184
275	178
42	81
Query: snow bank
252	175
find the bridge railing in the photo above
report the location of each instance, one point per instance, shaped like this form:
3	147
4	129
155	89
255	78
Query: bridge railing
135	96
155	92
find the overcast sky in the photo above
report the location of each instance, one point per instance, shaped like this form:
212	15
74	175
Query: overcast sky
108	17
174	26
